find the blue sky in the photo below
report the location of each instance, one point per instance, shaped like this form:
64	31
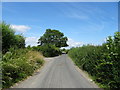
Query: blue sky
81	22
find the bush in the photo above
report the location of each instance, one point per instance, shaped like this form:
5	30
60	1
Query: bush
48	50
9	39
18	64
102	62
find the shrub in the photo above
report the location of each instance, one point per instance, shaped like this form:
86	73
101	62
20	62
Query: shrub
18	64
9	39
102	62
48	50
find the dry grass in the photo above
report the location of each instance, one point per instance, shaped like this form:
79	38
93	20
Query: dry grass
34	55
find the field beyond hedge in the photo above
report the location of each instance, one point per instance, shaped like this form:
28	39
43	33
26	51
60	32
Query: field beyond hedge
18	64
101	62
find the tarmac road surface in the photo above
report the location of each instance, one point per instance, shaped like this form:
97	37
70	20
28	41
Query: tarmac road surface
58	72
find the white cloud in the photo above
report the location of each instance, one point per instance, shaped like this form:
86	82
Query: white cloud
73	43
20	28
32	41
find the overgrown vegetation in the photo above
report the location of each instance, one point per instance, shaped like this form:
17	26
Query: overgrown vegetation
101	62
48	50
9	39
17	62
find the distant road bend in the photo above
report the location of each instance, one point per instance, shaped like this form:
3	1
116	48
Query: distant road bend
58	72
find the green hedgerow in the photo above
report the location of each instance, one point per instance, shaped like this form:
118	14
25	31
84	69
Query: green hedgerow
101	62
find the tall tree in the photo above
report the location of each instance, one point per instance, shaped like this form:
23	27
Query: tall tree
9	39
54	37
19	41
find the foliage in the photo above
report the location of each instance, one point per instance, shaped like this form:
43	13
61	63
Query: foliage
48	50
19	41
64	50
29	47
17	61
18	64
53	37
101	62
9	39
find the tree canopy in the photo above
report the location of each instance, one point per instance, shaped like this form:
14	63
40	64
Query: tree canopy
9	39
54	37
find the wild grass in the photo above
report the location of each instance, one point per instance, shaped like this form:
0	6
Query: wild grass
19	64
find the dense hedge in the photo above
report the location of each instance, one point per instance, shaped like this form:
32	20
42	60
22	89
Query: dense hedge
18	64
101	62
48	50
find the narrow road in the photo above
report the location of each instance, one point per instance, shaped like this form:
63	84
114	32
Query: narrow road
58	72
